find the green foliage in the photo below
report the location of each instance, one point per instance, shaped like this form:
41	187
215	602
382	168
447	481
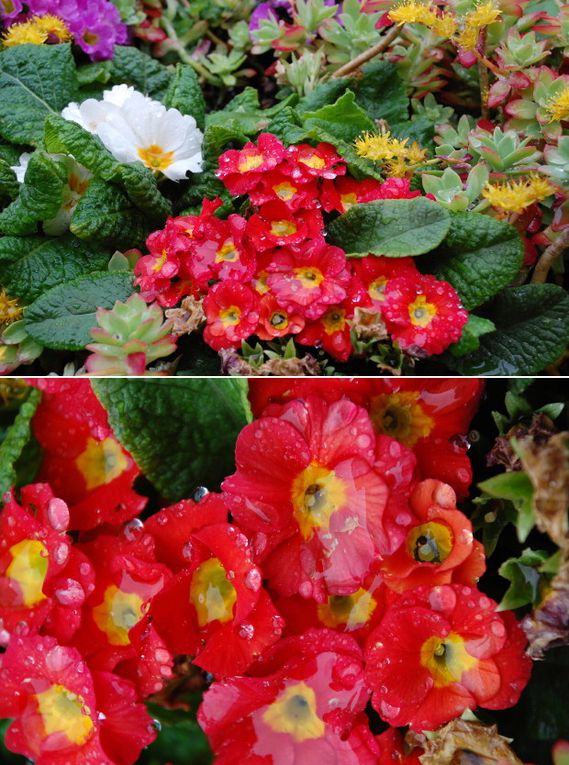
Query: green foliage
62	318
201	416
471	334
63	136
136	68
395	228
185	94
344	119
526	579
15	441
106	215
518	489
381	92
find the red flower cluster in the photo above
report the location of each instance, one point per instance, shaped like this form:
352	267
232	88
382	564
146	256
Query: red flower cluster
274	275
346	575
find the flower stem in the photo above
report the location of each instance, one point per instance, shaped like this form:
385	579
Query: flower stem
549	255
364	57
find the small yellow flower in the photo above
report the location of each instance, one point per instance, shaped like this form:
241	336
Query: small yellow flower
557	108
444	25
412	12
22	34
515	196
468	38
396	168
415	154
10	310
380	146
483	14
53	26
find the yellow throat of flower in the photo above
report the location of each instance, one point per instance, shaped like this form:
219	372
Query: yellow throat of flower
211	593
401	416
446	658
317	493
294	712
64	712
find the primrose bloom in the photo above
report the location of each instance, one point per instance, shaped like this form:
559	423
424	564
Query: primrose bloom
242	170
232	314
135	128
453	649
375	273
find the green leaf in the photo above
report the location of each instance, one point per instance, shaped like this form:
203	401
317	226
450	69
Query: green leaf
31	265
201	416
469	341
15	441
136	68
180	739
324	93
552	410
9	186
516	487
35	81
479	257
344	119
142	189
185	94
381	92
532	324
107	216
63	316
525	579
65	137
393	227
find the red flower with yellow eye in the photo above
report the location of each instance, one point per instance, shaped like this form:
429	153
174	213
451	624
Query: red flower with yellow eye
301	705
295	194
375	274
232	314
82	460
64	714
274	321
127	578
216	608
344	193
310	281
218	251
305	162
423	314
439	547
240	171
332	332
44	580
307	490
274	225
441	650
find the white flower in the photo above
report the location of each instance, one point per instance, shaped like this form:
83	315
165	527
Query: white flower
20	169
134	128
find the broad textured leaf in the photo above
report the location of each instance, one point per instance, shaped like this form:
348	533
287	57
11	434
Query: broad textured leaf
201	416
35	81
185	94
469	341
9	186
136	68
532	331
525	577
67	137
324	93
381	92
15	441
239	115
107	216
63	316
141	187
479	257
30	266
344	119
392	227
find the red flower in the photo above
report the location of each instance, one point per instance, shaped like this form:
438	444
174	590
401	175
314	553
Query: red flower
274	321
376	274
275	225
300	706
43	579
331	331
344	193
441	650
422	314
295	194
64	714
309	281
82	460
439	547
242	170
216	609
217	251
232	314
305	485
306	162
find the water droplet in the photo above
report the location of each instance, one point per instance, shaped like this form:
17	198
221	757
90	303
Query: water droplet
246	631
187	551
133	529
71	594
200	493
253	580
58	514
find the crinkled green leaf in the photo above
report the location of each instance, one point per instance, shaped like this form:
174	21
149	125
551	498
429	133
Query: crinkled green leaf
479	257
471	334
136	68
381	92
395	228
31	265
240	115
65	137
141	187
344	119
35	81
185	94
15	441
518	489
323	94
532	331
9	186
525	577
106	215
201	416
62	318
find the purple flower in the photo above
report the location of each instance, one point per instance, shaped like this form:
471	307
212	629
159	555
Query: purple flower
9	9
266	10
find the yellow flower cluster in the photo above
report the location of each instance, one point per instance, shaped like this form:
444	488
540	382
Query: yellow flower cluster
446	24
557	108
37	31
515	196
10	310
398	157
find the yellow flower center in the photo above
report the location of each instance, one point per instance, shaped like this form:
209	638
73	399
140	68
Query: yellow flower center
312	160
211	593
380	146
283	228
29	569
515	196
160	261
227	253
483	15
118	614
430	542
101	462
351	611
10	310
294	712
260	283
316	494
348	200
310	278
155	157
334	320
376	289
401	416
279	320
446	658
557	108
421	312
231	316
248	162
64	712
285	191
